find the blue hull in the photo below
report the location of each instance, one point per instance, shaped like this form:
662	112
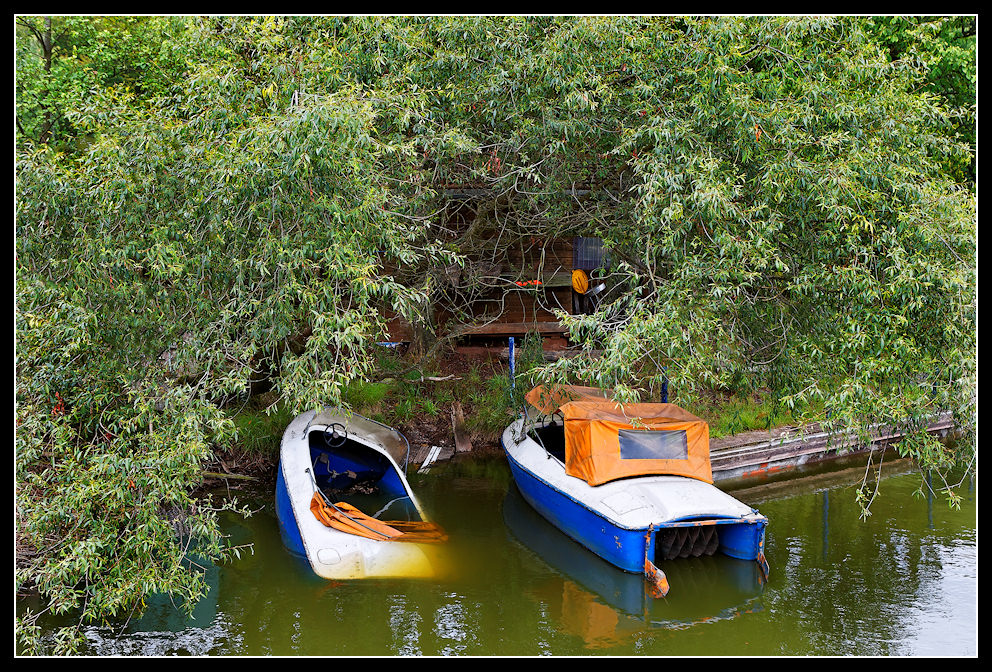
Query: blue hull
722	587
288	528
625	548
620	547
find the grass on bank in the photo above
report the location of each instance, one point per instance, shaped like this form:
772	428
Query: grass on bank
733	414
405	397
401	399
483	392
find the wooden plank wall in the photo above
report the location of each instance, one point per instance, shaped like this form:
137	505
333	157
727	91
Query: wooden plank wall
533	280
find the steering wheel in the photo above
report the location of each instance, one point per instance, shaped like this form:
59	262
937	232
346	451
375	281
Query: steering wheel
335	435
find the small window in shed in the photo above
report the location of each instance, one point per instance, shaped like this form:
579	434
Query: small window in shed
587	253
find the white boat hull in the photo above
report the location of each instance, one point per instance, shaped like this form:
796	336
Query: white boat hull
331	553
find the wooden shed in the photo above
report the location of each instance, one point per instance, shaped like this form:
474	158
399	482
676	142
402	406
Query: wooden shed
511	290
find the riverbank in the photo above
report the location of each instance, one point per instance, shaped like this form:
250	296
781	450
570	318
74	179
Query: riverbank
460	404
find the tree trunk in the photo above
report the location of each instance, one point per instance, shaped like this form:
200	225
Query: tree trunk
46	49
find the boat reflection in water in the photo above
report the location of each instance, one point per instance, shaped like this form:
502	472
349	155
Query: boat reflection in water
603	604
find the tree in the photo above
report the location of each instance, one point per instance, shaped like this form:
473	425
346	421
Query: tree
42	33
774	193
59	60
946	47
235	226
793	227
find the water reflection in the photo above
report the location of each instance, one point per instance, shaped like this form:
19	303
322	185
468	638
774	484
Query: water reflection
872	581
903	582
604	605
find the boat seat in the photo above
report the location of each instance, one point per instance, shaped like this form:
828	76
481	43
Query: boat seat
338	480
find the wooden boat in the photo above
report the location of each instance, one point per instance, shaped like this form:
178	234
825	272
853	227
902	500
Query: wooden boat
632	483
344	504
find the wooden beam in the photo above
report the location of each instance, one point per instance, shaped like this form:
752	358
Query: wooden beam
518	328
462	443
550	355
765	453
555	279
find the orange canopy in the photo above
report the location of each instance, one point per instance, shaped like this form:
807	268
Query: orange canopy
549	399
605	440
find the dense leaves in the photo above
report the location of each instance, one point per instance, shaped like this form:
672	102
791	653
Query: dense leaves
61	59
196	245
945	48
252	202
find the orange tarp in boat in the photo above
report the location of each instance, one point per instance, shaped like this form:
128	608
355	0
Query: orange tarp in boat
346	518
605	440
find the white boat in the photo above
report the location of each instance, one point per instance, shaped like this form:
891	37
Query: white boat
344	504
631	483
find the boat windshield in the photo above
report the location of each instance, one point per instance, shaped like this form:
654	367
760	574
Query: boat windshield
392	441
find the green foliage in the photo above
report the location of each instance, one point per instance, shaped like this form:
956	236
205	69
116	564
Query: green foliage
104	471
947	47
138	54
207	203
493	397
489	405
743	413
196	244
792	224
361	395
259	431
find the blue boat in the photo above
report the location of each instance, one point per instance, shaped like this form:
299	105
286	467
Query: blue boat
344	504
632	483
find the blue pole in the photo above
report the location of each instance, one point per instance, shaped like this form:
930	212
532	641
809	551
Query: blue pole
513	366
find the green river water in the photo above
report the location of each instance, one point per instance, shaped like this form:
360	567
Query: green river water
901	583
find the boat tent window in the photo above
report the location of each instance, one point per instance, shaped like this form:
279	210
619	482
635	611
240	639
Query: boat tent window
642	444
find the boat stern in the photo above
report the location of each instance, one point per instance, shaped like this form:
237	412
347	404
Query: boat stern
742	538
378	560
